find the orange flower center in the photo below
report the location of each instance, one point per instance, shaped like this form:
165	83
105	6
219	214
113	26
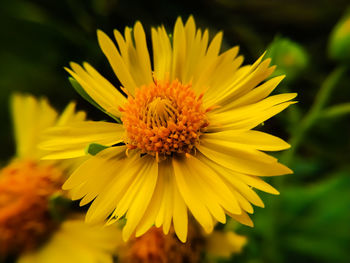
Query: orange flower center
25	221
164	118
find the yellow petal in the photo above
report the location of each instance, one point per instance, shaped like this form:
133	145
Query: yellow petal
248	117
141	200
246	165
259	93
125	171
202	187
243	85
224	244
236	184
69	115
30	117
179	50
164	215
252	139
142	54
74	241
149	217
180	217
75	137
258	183
207	177
243	219
243	202
98	88
116	61
192	200
162	53
215	45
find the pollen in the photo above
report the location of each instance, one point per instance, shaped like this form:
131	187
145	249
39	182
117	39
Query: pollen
164	118
25	221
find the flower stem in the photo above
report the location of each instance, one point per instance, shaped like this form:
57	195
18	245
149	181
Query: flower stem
316	109
336	111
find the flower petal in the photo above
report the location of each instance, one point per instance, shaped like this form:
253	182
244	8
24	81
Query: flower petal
140	202
116	61
189	193
243	162
124	170
71	140
180	217
162	53
75	241
164	215
248	117
30	117
98	88
251	139
149	218
179	50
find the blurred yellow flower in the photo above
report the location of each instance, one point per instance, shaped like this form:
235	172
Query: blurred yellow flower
75	241
154	246
28	229
186	140
31	117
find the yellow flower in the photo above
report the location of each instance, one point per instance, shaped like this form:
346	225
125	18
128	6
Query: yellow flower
31	117
154	246
224	244
186	140
28	229
75	241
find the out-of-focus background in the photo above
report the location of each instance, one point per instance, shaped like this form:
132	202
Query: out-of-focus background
310	220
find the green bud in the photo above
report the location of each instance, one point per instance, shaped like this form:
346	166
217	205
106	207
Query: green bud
289	57
339	42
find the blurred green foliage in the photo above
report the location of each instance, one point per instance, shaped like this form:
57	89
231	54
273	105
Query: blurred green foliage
310	220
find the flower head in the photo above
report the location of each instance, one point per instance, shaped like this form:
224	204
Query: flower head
75	241
164	119
28	227
185	139
31	117
154	246
25	221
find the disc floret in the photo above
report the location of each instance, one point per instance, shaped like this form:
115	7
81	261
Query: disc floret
25	221
164	118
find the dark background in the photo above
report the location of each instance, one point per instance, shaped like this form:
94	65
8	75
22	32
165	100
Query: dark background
310	222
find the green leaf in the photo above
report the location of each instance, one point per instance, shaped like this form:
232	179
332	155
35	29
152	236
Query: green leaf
95	148
316	219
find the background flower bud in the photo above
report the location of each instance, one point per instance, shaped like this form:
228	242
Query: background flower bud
290	57
339	42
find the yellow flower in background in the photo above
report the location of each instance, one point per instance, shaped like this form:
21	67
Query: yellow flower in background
154	246
31	117
28	229
186	140
75	241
